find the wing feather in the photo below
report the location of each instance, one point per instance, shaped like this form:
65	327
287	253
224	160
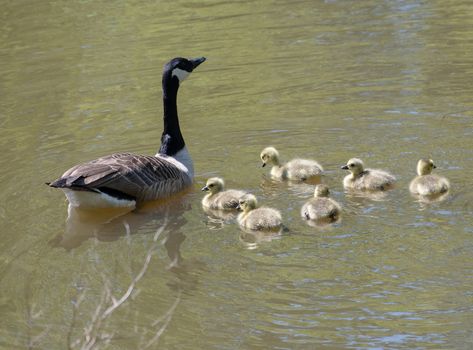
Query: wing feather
138	176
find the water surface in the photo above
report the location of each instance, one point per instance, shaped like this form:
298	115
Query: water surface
387	81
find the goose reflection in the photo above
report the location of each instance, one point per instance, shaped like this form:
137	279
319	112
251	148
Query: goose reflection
112	224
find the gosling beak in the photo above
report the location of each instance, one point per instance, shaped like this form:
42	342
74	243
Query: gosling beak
238	207
197	61
435	167
205	188
344	167
264	164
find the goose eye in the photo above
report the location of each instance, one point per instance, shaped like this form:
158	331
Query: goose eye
211	185
351	165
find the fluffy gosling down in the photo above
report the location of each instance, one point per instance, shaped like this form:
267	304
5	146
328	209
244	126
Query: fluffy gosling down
217	198
296	169
425	183
321	207
366	179
258	219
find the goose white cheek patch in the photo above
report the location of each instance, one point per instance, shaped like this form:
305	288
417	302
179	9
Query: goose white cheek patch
180	74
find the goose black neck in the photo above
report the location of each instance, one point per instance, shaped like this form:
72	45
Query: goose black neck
171	139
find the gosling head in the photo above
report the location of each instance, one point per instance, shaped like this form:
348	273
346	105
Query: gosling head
247	203
354	165
269	155
321	191
425	166
179	68
213	185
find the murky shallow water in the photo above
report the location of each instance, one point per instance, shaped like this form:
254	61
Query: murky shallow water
389	82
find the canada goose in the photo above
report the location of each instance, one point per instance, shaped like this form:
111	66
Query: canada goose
124	179
321	207
366	179
217	198
296	169
257	219
425	183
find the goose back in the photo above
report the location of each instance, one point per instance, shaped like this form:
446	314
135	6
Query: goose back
127	176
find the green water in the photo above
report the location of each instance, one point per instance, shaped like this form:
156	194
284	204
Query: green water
386	81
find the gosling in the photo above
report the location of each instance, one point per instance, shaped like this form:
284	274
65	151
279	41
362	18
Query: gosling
217	198
321	207
258	219
427	184
366	179
296	169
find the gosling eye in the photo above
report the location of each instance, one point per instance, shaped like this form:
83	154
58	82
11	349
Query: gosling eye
211	185
351	165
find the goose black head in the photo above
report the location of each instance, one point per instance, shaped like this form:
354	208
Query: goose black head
179	68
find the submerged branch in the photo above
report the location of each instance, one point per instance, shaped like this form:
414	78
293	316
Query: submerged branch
93	332
167	317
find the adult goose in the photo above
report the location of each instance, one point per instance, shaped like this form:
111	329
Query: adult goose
125	179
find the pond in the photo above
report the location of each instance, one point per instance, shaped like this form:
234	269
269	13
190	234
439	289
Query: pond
389	82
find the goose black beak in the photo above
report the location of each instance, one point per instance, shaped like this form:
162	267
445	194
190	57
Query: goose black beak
197	61
435	167
205	188
344	167
264	164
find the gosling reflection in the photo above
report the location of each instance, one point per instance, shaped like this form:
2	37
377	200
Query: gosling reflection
113	224
252	239
216	219
431	198
272	188
362	196
325	224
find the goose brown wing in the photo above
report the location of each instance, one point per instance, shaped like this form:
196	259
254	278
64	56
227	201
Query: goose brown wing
138	176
